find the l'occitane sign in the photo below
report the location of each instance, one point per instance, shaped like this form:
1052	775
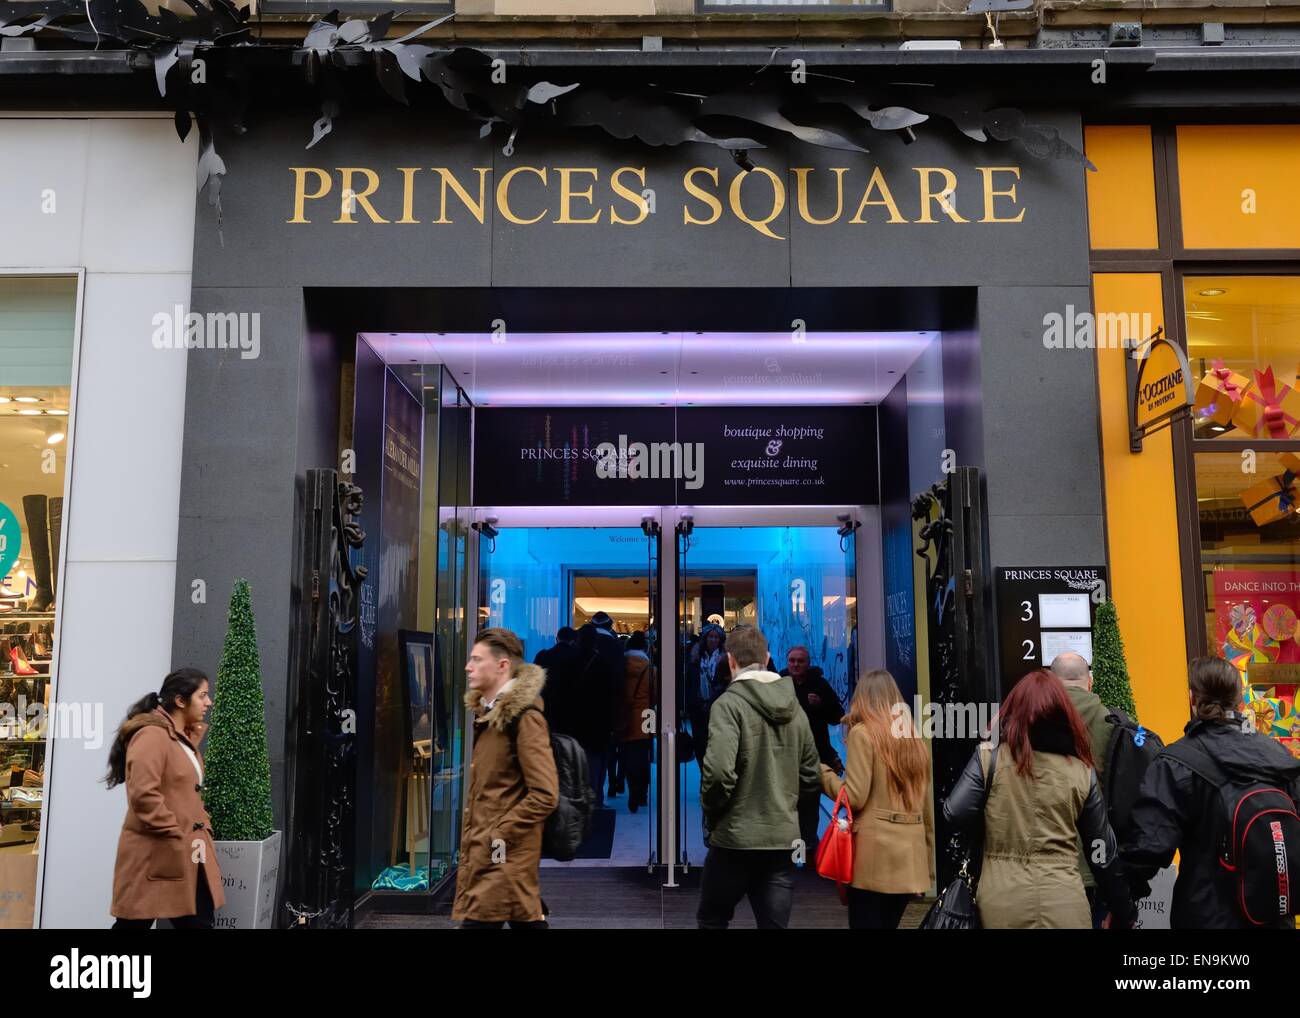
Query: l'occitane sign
582	195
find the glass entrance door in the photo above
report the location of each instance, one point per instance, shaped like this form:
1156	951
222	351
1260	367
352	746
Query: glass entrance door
798	584
585	603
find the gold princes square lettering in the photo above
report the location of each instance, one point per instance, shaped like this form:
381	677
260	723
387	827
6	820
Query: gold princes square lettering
584	195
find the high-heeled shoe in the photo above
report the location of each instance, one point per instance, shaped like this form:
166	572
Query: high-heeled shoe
21	667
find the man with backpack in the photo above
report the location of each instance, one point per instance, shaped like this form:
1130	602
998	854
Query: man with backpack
513	788
1224	797
761	760
1122	750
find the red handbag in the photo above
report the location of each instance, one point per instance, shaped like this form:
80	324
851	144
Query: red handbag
835	853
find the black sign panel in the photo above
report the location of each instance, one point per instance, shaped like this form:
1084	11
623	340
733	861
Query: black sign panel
782	455
684	456
1044	611
550	456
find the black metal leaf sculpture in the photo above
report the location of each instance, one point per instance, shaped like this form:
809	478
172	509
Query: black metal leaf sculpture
827	111
1042	140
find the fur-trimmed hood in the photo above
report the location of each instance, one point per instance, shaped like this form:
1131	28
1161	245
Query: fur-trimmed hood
156	718
525	687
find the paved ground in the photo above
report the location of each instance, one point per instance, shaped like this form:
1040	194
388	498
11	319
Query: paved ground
632	899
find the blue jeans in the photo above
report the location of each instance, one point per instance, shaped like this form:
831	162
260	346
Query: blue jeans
762	875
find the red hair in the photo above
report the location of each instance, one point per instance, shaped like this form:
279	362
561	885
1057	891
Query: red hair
1036	701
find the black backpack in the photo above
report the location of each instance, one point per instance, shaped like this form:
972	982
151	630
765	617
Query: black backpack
1259	838
1129	753
568	826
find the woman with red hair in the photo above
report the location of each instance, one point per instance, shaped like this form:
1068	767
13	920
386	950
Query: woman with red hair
1042	798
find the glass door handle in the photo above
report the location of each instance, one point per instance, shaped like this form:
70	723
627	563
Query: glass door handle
669	766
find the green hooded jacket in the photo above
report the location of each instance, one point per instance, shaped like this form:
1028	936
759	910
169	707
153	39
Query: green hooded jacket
761	760
1100	732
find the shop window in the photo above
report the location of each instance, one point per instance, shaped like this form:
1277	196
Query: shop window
1236	186
1250	558
37	327
1122	193
1243	352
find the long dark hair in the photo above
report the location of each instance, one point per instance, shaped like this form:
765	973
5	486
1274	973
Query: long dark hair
184	682
1039	705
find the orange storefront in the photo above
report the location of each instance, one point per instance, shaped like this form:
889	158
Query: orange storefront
1194	230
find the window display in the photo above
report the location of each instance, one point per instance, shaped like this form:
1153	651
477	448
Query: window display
1242	350
37	326
1250	551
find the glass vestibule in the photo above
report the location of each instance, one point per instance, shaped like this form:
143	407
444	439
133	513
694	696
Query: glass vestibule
409	431
37	338
791	571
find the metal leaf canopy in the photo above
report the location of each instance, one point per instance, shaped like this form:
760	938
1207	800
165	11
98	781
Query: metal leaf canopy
825	111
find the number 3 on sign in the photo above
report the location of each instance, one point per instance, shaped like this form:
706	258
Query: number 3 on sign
1028	610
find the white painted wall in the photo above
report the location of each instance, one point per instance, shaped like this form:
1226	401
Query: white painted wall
124	190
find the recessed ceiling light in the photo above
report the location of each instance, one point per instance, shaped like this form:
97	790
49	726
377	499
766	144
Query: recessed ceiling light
5	399
29	413
57	413
1213	291
26	399
55	438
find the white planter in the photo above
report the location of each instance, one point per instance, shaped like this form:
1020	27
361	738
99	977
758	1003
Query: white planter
250	871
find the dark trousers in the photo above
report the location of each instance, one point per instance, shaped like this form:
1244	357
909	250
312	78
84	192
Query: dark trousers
202	918
762	875
617	770
871	910
636	769
1096	905
810	815
596	763
699	716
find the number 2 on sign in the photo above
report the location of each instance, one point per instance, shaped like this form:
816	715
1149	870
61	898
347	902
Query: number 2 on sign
1029	649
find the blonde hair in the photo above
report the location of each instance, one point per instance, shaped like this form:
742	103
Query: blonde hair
878	706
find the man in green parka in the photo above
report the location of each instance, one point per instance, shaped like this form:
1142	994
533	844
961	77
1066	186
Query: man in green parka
761	759
1076	674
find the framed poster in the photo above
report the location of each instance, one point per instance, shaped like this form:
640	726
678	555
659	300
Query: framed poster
416	654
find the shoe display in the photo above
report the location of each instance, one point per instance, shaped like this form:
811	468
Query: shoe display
36	509
19	659
56	533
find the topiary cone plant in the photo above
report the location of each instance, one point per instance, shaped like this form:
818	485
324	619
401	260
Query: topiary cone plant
1110	679
237	780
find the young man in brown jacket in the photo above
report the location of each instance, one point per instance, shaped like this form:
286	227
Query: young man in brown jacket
513	788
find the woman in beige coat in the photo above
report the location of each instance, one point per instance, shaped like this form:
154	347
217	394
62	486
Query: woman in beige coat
887	778
166	863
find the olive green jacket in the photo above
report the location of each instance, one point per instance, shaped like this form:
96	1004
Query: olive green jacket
1100	731
761	760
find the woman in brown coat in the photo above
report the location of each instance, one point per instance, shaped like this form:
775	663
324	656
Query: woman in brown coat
887	778
513	788
166	863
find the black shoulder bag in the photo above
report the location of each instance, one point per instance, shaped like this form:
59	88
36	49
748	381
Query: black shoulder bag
955	908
